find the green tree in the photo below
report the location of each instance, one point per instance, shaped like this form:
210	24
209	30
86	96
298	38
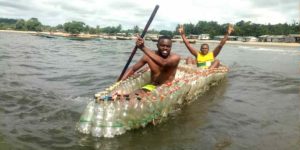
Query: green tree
176	30
112	30
74	27
202	27
92	30
189	28
118	29
213	28
166	32
47	28
153	31
33	24
136	29
86	29
8	21
98	30
21	24
59	27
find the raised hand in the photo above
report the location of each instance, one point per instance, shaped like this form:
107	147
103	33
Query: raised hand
230	28
181	29
140	42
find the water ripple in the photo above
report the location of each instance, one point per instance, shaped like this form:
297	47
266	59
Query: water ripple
45	85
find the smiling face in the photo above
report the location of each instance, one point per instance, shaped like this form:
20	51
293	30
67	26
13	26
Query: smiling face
204	49
164	46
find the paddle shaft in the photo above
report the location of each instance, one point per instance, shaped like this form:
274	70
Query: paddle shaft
142	36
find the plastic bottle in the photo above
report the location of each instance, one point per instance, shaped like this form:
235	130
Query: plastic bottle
85	121
124	113
137	111
119	122
97	129
109	119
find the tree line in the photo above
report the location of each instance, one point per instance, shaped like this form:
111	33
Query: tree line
242	28
31	24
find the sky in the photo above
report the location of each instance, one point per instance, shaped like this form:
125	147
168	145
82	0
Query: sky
129	13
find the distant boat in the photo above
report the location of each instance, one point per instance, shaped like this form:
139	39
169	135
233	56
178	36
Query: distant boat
109	37
154	39
80	38
190	41
45	35
123	38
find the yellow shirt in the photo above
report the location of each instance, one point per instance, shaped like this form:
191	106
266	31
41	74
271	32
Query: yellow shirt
204	61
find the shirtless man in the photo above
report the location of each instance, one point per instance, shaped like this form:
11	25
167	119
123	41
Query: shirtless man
162	63
204	58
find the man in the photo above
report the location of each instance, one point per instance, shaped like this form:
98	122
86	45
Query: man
162	63
204	58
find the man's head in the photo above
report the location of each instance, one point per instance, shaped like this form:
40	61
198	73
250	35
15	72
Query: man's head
204	49
164	45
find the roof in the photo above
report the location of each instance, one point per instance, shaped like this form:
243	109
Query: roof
294	35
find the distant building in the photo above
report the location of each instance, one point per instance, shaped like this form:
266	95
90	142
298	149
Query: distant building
247	39
263	38
240	38
294	37
230	38
218	37
199	37
121	34
278	38
192	36
291	38
151	36
177	37
203	37
251	39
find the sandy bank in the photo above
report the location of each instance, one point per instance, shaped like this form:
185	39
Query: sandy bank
15	31
256	44
213	42
239	43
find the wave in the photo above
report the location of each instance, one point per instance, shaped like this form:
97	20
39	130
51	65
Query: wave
270	49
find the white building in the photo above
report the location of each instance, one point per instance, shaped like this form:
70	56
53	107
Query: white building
203	37
247	39
250	39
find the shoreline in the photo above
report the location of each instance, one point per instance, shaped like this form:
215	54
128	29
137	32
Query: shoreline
93	36
252	44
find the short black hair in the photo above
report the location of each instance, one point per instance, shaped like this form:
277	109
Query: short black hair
164	37
203	45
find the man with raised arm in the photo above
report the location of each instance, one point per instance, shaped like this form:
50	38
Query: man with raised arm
204	58
162	63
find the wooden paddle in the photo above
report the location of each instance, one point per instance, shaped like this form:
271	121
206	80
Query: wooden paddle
142	36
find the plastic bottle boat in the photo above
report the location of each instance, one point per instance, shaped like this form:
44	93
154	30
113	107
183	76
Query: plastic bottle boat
109	116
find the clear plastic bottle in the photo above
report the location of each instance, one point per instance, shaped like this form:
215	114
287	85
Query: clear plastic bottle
124	112
85	121
119	122
110	119
137	110
98	120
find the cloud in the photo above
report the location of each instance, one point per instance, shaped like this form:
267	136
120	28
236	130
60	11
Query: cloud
131	12
274	4
12	5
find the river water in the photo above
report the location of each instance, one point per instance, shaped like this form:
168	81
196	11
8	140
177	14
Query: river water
45	85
